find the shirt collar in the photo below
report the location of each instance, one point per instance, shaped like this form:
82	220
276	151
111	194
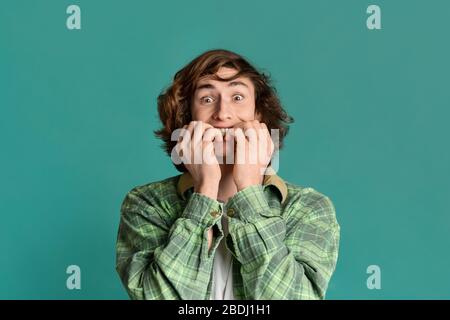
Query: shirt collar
186	182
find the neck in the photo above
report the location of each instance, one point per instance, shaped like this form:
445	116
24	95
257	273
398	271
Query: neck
227	187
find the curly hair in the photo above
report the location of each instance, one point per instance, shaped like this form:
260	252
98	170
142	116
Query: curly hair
174	103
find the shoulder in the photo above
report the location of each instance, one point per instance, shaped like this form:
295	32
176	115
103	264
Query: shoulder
151	191
158	196
307	202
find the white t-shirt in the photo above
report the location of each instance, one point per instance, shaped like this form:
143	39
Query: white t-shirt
222	285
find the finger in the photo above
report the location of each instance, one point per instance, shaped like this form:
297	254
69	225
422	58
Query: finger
252	129
274	139
199	131
187	136
265	136
264	127
182	132
185	144
241	146
240	125
244	125
212	134
252	142
212	139
196	145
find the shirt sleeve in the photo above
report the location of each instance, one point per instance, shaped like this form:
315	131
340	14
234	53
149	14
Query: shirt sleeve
156	261
283	257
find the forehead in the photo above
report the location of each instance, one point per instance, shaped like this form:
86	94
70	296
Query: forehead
208	82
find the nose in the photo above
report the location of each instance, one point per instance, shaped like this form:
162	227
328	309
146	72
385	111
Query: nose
223	111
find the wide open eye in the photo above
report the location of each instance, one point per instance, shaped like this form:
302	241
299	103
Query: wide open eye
238	97
207	99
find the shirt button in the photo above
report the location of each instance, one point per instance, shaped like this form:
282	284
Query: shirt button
214	214
230	212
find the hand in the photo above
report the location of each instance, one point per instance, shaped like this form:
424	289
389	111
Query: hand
196	150
254	149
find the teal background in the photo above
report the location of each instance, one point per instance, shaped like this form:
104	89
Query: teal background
78	109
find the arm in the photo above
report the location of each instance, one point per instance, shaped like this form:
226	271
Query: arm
279	262
158	262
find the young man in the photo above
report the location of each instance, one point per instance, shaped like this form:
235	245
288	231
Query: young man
225	229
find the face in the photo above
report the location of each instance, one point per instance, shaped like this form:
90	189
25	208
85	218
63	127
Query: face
223	104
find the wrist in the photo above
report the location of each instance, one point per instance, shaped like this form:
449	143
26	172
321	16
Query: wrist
244	184
210	190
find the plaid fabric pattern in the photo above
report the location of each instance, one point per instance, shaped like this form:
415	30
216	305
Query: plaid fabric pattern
284	241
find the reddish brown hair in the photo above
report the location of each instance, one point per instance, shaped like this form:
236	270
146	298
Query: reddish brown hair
174	104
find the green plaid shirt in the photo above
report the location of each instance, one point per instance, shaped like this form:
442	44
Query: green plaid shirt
283	238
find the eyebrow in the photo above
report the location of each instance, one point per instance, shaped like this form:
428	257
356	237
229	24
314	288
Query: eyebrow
230	84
